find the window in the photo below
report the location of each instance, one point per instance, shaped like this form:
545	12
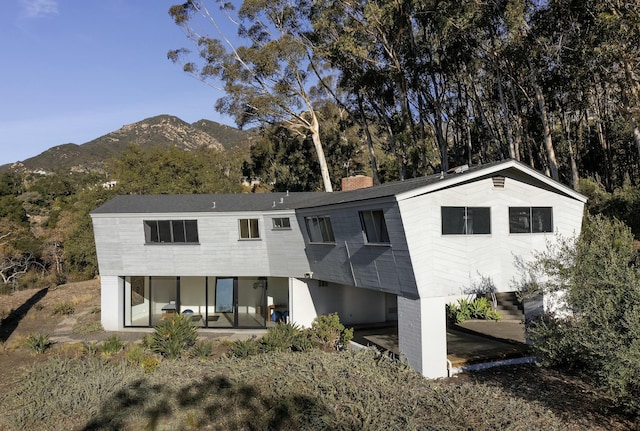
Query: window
249	228
170	231
319	229
530	219
281	223
374	226
466	220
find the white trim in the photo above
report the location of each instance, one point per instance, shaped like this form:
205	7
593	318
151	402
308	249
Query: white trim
451	180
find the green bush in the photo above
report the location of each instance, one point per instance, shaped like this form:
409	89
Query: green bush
479	308
598	331
136	354
281	337
149	364
202	349
328	333
37	343
244	348
65	309
174	336
112	345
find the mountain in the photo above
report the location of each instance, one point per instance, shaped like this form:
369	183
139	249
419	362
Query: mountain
164	130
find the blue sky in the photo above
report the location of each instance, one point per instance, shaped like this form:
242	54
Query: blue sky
74	70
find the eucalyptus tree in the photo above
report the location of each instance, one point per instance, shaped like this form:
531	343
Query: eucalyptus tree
278	156
266	80
349	40
616	57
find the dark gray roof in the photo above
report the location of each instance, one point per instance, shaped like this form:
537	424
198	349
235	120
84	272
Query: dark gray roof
202	203
264	201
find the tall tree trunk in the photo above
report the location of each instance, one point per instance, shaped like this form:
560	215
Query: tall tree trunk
507	124
546	126
519	140
575	178
372	155
628	109
317	143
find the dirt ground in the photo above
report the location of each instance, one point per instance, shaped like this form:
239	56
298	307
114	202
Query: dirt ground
35	312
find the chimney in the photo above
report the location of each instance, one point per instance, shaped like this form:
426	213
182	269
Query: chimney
356	182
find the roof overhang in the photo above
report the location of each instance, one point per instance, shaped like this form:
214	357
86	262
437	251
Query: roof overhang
465	177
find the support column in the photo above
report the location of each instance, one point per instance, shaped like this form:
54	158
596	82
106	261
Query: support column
302	309
112	302
422	334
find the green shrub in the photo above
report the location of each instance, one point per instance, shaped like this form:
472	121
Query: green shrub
598	331
37	343
280	337
65	309
479	308
328	333
244	348
112	345
136	354
149	364
174	336
202	349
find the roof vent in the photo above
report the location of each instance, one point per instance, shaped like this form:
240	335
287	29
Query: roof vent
498	182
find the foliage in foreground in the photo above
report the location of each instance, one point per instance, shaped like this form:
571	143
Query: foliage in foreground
479	308
326	333
597	332
315	390
37	343
174	336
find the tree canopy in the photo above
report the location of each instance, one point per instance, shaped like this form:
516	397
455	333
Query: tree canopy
434	84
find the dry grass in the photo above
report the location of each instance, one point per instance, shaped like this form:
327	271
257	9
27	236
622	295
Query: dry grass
71	386
356	390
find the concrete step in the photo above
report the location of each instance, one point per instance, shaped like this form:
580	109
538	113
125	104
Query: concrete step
508	306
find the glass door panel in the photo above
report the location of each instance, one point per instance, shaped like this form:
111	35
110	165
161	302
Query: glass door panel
192	299
164	298
136	298
251	302
220	306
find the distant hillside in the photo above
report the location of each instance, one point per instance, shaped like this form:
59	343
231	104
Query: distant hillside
164	130
227	135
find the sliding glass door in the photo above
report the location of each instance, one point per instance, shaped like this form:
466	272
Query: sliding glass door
220	305
212	302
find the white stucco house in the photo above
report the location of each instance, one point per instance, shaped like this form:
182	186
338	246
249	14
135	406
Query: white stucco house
396	252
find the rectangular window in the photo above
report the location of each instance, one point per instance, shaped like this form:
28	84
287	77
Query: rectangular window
530	219
466	220
319	229
171	231
281	223
249	228
374	226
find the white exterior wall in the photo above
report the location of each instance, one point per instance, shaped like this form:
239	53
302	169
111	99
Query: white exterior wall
121	248
453	264
353	304
111	302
